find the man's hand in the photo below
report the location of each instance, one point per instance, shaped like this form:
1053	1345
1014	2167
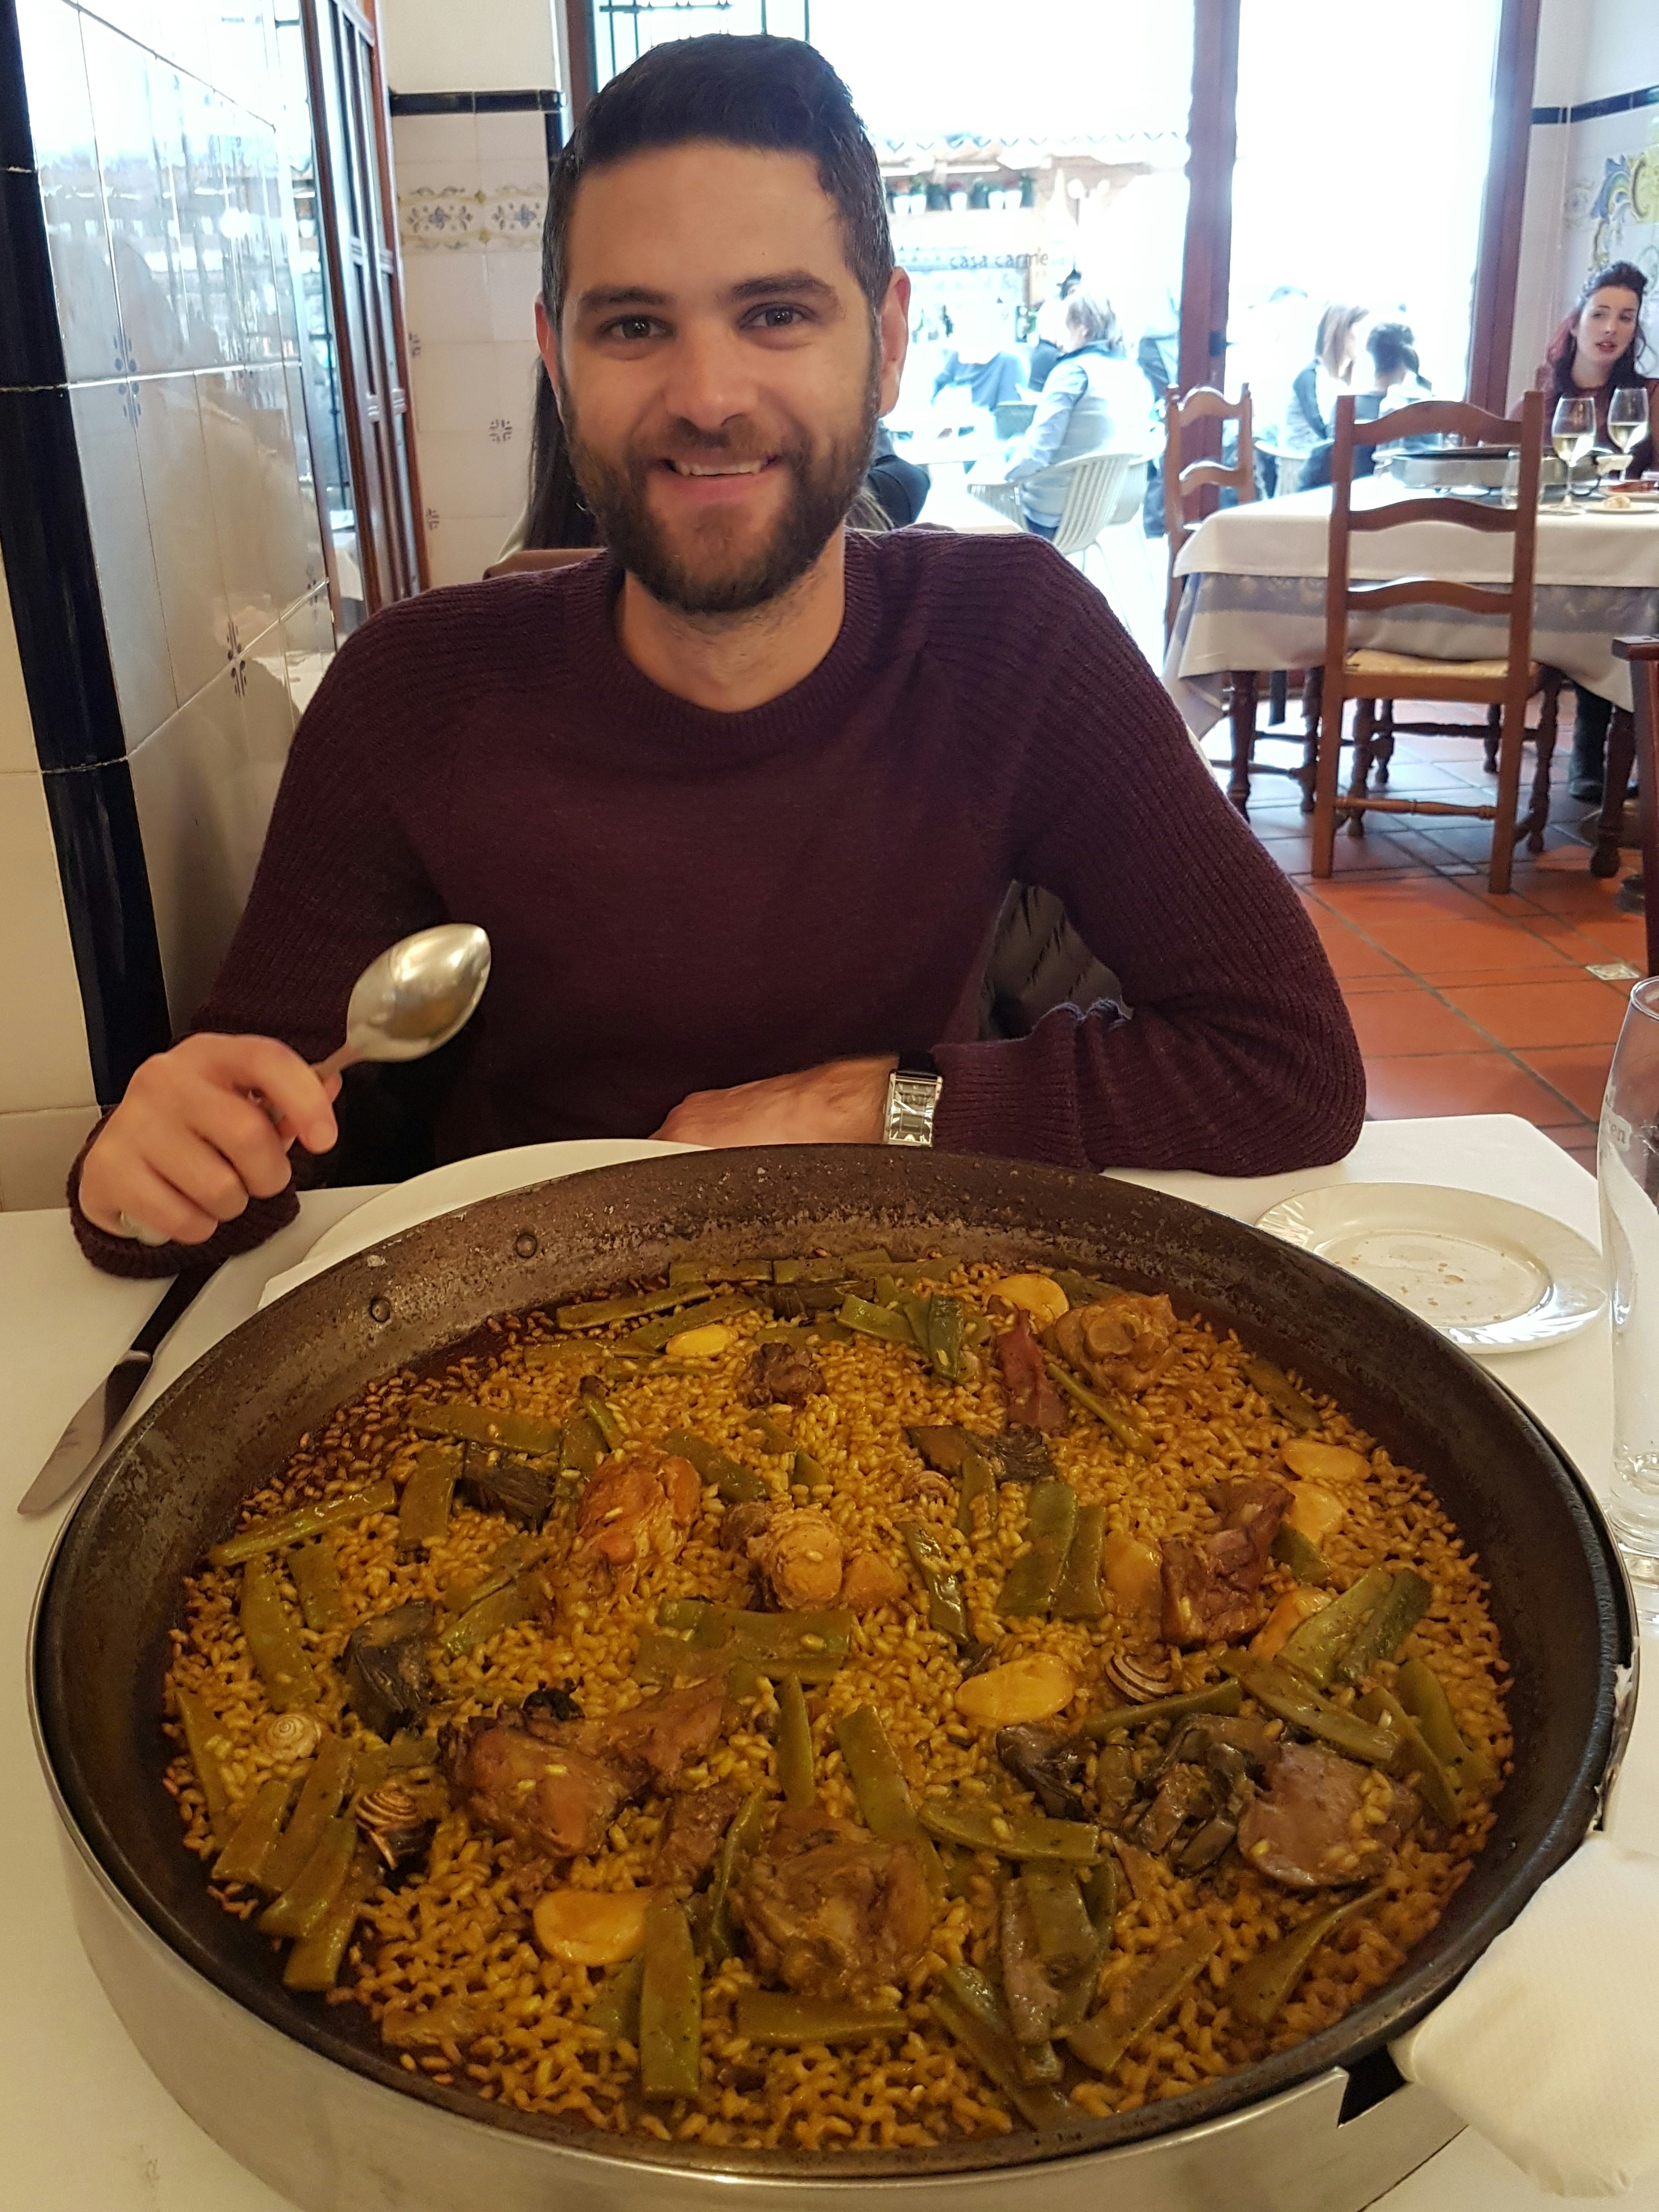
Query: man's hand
191	1144
842	1103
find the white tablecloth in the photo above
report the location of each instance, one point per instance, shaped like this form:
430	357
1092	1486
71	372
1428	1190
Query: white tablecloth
1255	593
83	2123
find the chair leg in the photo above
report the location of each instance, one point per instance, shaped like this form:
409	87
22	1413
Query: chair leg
1279	697
1494	734
1621	751
1548	714
1365	722
1312	689
1327	739
1382	752
1512	742
1244	718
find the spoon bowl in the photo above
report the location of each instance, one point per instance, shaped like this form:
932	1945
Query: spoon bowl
418	994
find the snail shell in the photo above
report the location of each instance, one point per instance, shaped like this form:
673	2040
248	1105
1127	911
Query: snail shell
393	1822
1140	1683
288	1735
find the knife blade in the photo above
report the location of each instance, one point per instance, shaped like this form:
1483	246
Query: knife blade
78	1451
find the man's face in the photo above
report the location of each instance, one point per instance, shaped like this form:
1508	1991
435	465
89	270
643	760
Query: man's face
716	369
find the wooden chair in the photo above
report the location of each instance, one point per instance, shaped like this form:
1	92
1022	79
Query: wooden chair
1202	404
1637	741
1369	676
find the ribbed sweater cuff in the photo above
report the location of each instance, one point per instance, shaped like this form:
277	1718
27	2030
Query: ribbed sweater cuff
1016	1096
126	1256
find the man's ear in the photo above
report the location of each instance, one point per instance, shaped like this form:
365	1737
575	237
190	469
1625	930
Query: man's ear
893	338
547	344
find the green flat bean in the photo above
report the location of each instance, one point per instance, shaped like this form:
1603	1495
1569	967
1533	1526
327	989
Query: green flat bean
1029	1584
596	1313
990	2043
1407	1598
201	1726
944	1345
867	1319
807	1475
522	1434
882	1793
1100	1902
945	1610
774	1437
314	1962
1420	1690
978	1479
1082	1290
1078	1596
606	1420
1013	1835
813	1645
1219	1698
1301	1556
736	1483
321	1795
614	2007
273	1641
489	1616
736	1847
1138	2005
1117	1425
1436	1782
775	2018
423	1507
1281	1394
304	1520
1066	1936
316	1573
795	1770
245	1857
655	1334
1263	1984
684	1273
670	2004
1286	1694
302	1905
1314	1649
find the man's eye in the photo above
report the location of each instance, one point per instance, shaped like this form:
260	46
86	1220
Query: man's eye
630	327
778	318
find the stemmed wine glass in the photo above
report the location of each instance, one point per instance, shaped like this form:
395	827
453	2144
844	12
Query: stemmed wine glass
1627	1174
1572	432
1627	418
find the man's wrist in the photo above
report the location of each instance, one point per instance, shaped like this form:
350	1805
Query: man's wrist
913	1089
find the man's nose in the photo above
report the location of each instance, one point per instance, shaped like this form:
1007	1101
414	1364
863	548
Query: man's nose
709	381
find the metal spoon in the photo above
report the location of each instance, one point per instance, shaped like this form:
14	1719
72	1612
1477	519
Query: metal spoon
418	994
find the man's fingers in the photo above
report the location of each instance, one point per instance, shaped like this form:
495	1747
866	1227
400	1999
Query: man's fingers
299	1101
198	1171
148	1198
240	1131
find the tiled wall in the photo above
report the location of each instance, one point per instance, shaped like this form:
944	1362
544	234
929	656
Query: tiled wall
471	192
156	134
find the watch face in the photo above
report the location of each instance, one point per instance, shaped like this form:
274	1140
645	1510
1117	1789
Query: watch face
911	1101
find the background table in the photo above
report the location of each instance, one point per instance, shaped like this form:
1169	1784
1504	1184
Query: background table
83	2122
1254	592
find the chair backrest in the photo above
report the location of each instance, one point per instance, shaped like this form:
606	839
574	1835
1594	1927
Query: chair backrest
1204	403
1094	496
540	557
1474	426
1642	655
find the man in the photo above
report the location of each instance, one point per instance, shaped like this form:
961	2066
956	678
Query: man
739	801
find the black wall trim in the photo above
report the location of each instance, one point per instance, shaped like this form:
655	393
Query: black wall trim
1616	103
45	542
476	103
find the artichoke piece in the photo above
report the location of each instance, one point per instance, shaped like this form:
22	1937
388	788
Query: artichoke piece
512	1486
388	1674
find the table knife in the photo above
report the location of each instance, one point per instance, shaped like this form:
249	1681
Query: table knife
78	1451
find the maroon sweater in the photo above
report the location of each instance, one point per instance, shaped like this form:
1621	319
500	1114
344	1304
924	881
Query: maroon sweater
680	900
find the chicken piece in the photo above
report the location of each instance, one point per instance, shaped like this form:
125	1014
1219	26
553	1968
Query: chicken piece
783	1373
697	1821
636	1508
870	1581
1033	1400
921	1483
829	1912
1210	1582
742	1521
1324	1821
546	1796
1118	1344
800	1553
660	1734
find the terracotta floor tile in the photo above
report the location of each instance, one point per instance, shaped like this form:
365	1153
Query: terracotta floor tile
1457	1083
1436	949
1349	954
1363	987
1578	1071
1469	979
1582	1011
1419	897
1392	1024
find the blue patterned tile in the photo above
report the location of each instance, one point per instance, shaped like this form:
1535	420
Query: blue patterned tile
138	118
108	443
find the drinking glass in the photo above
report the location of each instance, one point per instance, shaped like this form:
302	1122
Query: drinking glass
1572	432
1627	1169
1627	418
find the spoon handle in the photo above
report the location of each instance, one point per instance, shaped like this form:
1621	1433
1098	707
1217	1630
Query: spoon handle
336	1062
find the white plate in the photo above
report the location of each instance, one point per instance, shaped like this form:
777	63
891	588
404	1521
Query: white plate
443	1190
1491	1276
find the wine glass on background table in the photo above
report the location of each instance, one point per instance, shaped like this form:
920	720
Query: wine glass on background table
1627	1170
1627	419
1572	432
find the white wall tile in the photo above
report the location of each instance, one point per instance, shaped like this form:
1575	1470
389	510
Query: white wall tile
71	191
203	802
307	648
516	364
178	498
36	1153
513	275
434	140
241	508
464	477
433	45
44	1061
455	387
444	296
463	546
108	441
513	152
17	753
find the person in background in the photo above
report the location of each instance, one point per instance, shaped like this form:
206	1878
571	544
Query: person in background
1598	350
1051	330
1091	400
1316	388
1396	381
992	371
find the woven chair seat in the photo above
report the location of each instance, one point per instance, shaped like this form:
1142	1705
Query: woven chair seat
1369	662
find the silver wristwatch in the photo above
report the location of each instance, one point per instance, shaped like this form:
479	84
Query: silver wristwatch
912	1096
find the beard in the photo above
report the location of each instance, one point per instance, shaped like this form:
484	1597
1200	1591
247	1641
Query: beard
713	574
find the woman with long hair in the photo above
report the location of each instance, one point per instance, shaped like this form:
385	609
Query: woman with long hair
1599	349
1310	417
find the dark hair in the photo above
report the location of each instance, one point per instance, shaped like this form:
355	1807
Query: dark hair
1092	314
778	95
1620	276
1334	336
1391	346
556	514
